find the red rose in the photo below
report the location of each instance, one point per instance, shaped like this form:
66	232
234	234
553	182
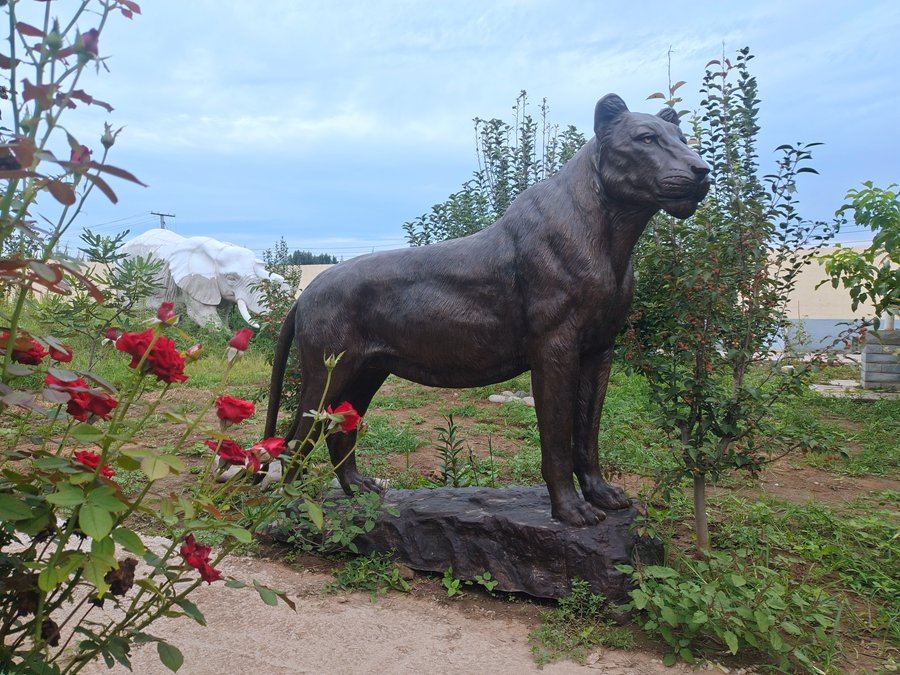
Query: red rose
254	461
166	362
197	556
83	402
31	356
241	339
229	451
135	345
91	460
112	333
233	410
166	311
349	419
208	573
271	446
63	356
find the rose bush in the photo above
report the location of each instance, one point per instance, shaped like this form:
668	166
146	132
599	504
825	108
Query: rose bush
69	543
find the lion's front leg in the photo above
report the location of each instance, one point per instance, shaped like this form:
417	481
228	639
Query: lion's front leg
552	375
592	382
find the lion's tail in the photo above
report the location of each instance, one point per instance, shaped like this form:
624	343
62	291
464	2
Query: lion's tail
279	365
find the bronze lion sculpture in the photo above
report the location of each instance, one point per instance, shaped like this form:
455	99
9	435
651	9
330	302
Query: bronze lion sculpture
546	288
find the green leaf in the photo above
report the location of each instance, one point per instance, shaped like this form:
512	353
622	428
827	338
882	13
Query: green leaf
94	571
239	533
48	579
791	628
155	467
660	572
127	463
639	598
171	656
95	521
267	594
105	550
128	540
669	616
18	370
776	641
13	508
235	583
66	495
107	498
191	610
315	514
731	640
670	660
87	433
53	463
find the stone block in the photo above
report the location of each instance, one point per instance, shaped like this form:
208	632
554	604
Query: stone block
509	533
880	380
875	357
885	337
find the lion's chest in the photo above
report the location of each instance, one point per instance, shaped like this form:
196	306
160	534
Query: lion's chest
586	307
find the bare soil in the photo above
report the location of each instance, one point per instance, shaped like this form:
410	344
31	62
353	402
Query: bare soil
420	632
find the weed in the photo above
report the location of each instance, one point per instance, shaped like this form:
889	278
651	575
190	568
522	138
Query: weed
576	626
331	523
384	438
375	573
405	395
525	467
459	470
736	603
450	452
487	581
465	410
451	584
131	482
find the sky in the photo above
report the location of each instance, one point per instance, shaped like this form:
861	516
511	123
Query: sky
330	124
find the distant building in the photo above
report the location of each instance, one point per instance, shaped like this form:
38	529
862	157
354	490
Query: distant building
820	314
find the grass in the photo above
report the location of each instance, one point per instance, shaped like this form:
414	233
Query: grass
853	549
868	430
575	627
404	395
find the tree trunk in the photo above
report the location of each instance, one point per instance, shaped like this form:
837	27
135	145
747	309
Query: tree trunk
701	527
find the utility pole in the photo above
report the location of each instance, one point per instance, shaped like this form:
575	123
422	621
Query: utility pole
162	218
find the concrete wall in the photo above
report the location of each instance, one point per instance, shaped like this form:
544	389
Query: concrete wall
308	273
807	302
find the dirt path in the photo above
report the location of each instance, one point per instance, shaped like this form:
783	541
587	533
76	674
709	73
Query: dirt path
351	633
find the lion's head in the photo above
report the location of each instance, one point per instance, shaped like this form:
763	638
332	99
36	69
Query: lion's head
644	159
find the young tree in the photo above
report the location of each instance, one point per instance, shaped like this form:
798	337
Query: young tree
711	293
871	275
509	161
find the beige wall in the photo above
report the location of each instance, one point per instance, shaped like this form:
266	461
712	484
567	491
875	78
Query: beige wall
308	273
826	302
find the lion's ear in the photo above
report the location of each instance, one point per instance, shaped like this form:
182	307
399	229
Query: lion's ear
608	108
669	115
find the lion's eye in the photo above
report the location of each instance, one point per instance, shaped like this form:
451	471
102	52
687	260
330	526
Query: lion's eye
648	139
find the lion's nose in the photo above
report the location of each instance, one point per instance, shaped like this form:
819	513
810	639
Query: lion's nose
701	171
